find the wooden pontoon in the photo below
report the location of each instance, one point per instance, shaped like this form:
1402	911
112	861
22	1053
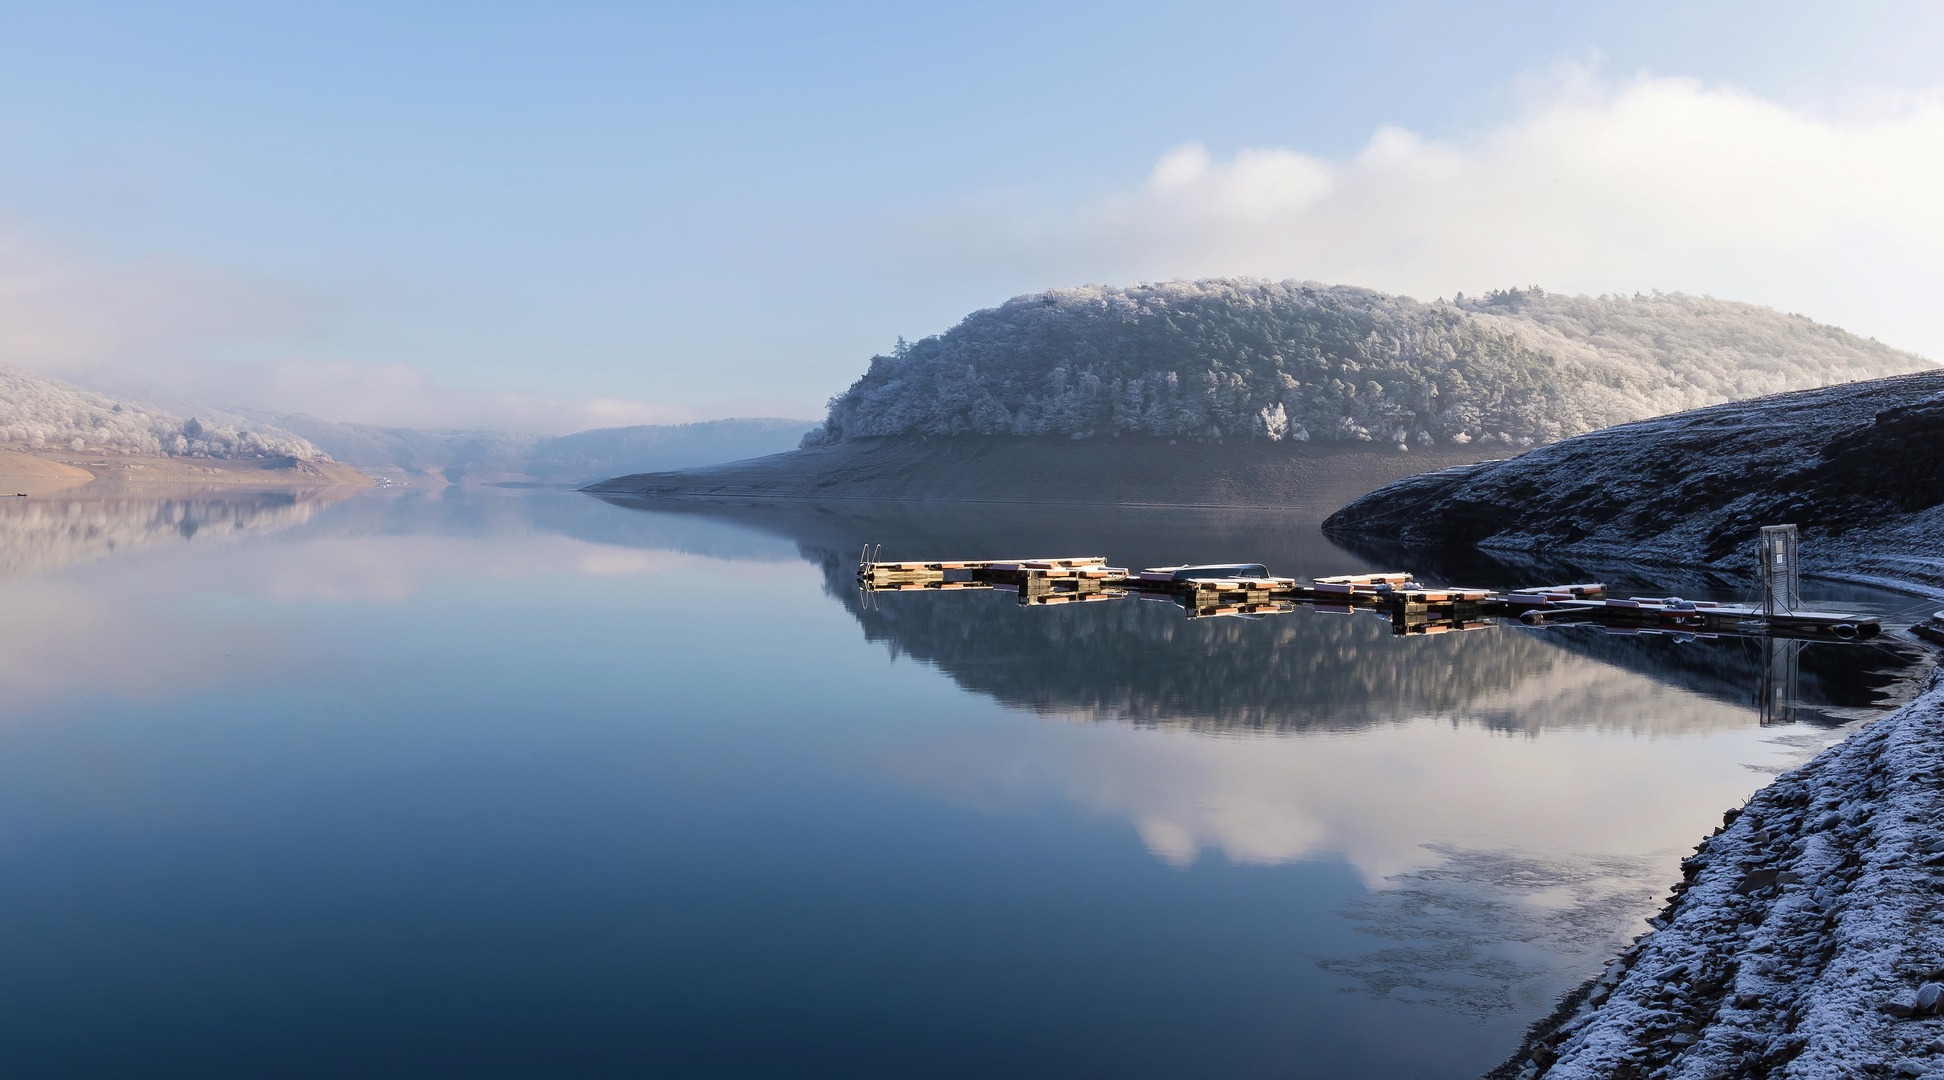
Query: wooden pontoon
1246	589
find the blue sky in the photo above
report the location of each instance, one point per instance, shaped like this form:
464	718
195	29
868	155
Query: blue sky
555	216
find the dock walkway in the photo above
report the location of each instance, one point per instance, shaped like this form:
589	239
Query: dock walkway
1412	607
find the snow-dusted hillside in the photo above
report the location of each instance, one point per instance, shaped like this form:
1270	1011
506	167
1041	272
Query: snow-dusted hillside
39	413
1859	467
1302	361
1683	352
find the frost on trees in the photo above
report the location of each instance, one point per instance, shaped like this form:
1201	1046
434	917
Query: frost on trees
1295	361
39	413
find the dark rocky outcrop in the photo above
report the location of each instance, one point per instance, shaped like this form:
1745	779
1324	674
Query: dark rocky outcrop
1858	467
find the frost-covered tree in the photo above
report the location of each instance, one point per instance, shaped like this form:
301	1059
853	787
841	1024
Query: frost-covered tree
1296	361
39	413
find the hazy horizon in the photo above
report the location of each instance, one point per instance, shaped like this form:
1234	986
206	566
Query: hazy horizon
595	218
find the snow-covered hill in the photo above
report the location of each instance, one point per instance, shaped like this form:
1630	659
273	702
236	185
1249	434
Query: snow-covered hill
1301	361
38	413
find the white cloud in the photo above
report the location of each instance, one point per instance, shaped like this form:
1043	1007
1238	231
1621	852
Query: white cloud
89	567
1660	183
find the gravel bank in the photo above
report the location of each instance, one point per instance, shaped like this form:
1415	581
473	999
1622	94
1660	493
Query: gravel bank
1806	939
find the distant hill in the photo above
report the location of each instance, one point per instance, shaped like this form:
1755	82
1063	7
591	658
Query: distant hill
1302	362
43	414
1237	392
506	457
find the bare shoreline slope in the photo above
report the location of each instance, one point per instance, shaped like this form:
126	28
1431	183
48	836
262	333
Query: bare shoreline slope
44	472
1018	469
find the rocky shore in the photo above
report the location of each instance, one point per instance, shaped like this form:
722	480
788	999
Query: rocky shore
1859	468
1805	940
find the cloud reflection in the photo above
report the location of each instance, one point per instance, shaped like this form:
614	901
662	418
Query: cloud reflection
1496	854
150	597
1383	798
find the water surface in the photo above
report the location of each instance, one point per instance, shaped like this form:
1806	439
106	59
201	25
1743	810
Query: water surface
526	784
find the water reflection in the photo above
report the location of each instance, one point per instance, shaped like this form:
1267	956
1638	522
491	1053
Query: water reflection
1428	711
1141	663
1785	681
442	771
43	533
156	594
1261	800
1123	661
1781	693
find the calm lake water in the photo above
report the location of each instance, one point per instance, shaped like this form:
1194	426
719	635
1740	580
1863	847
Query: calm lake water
532	785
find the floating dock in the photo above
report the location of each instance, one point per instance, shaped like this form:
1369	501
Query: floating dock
1210	592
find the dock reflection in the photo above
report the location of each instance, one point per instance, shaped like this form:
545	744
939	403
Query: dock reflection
1145	664
1780	699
